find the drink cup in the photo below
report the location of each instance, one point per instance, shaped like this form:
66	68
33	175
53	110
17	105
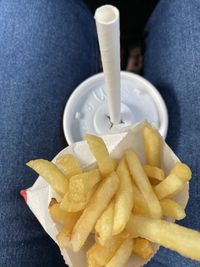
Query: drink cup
87	109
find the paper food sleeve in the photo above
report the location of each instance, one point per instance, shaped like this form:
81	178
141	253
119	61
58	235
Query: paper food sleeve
39	195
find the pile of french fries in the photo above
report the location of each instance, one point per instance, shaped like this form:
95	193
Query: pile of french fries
124	203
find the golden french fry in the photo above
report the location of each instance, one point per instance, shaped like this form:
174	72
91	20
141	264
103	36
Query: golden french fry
122	255
70	205
62	217
154	172
169	186
99	255
68	165
123	199
100	152
152	146
80	185
183	240
143	248
51	174
81	188
140	204
104	225
182	171
65	218
92	263
63	237
172	209
142	181
93	211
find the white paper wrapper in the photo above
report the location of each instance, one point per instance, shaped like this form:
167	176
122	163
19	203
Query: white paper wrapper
39	195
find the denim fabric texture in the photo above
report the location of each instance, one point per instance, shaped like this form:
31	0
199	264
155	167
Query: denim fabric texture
47	47
172	64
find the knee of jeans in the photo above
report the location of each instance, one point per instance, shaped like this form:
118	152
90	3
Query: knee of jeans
25	16
45	29
172	12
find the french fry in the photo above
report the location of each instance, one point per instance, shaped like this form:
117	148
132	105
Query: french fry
152	146
81	188
62	217
81	184
140	204
70	205
172	209
182	171
154	172
99	255
169	186
142	181
104	225
65	218
123	199
51	174
68	165
143	248
183	240
92	263
122	255
100	152
93	211
63	237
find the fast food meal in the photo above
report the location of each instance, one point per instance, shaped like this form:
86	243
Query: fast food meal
124	204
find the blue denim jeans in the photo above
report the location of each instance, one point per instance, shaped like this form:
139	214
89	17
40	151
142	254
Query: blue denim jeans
47	47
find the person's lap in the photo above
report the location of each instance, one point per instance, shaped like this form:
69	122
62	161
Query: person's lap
172	64
46	49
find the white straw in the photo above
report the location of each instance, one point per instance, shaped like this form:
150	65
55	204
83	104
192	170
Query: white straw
107	22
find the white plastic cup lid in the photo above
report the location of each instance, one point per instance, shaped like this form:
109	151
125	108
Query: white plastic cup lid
86	110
